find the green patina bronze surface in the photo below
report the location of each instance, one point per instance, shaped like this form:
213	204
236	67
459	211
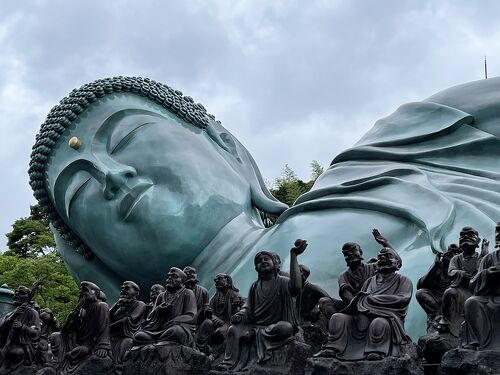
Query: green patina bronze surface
153	181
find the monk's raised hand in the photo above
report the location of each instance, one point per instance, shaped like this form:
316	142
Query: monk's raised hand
300	246
101	353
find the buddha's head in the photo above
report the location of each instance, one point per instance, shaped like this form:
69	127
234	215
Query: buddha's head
133	173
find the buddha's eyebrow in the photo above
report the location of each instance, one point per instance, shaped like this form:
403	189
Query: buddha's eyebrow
102	138
126	139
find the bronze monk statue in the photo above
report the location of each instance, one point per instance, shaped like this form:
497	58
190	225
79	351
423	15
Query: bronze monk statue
482	326
125	317
85	332
432	285
172	318
268	318
200	292
19	332
462	269
154	292
372	325
309	297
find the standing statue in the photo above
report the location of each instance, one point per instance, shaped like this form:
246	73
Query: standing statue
268	317
372	325
20	331
125	318
432	285
85	332
154	292
131	158
482	310
461	270
172	318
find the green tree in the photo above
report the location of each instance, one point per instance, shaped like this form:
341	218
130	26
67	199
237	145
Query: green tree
31	236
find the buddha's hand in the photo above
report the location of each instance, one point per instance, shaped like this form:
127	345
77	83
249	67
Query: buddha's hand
238	318
300	246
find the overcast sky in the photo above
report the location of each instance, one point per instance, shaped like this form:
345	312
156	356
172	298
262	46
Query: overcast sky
294	81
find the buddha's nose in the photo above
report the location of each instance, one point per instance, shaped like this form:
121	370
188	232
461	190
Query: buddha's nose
115	179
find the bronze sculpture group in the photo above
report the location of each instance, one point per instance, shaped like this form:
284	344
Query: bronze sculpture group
460	294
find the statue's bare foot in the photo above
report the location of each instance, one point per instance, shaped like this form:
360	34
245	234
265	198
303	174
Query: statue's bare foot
329	353
374	357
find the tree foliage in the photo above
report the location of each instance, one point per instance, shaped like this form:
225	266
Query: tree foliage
31	236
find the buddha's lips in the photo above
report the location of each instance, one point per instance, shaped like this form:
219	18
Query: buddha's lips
130	200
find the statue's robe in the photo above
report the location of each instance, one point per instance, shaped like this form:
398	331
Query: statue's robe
178	324
201	295
350	283
374	320
430	289
125	319
223	308
461	269
308	300
482	310
271	318
85	332
24	340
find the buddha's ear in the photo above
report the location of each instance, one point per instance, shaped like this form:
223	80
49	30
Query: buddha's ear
261	196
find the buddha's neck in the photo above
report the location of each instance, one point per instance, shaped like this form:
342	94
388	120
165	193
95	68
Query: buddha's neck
227	249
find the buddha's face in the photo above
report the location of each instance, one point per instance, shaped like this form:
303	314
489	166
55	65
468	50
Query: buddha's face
128	291
144	189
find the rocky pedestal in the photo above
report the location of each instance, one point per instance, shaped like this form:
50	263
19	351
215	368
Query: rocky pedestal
171	359
288	360
19	370
409	364
313	336
91	366
470	362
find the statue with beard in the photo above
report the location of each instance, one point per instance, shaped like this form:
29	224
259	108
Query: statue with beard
462	269
372	325
19	332
154	292
352	279
483	308
125	318
85	332
200	292
432	285
173	316
268	317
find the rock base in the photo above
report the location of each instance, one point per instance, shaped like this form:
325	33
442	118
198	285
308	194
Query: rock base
470	362
314	336
287	360
19	370
171	359
434	346
409	364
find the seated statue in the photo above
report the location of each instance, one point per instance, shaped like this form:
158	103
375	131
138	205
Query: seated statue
309	297
48	325
226	302
482	326
85	332
19	332
372	325
125	159
463	267
268	318
154	292
125	318
200	292
172	318
432	285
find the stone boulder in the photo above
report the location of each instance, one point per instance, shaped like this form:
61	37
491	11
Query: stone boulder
470	362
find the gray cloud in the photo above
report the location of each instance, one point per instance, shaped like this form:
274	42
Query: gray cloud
293	80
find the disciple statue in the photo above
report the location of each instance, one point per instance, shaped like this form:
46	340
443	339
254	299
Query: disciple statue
268	316
85	332
172	318
200	292
461	270
309	297
154	292
19	332
125	317
482	325
48	325
125	159
372	325
432	285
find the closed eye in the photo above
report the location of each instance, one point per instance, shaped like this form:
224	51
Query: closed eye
76	194
125	140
